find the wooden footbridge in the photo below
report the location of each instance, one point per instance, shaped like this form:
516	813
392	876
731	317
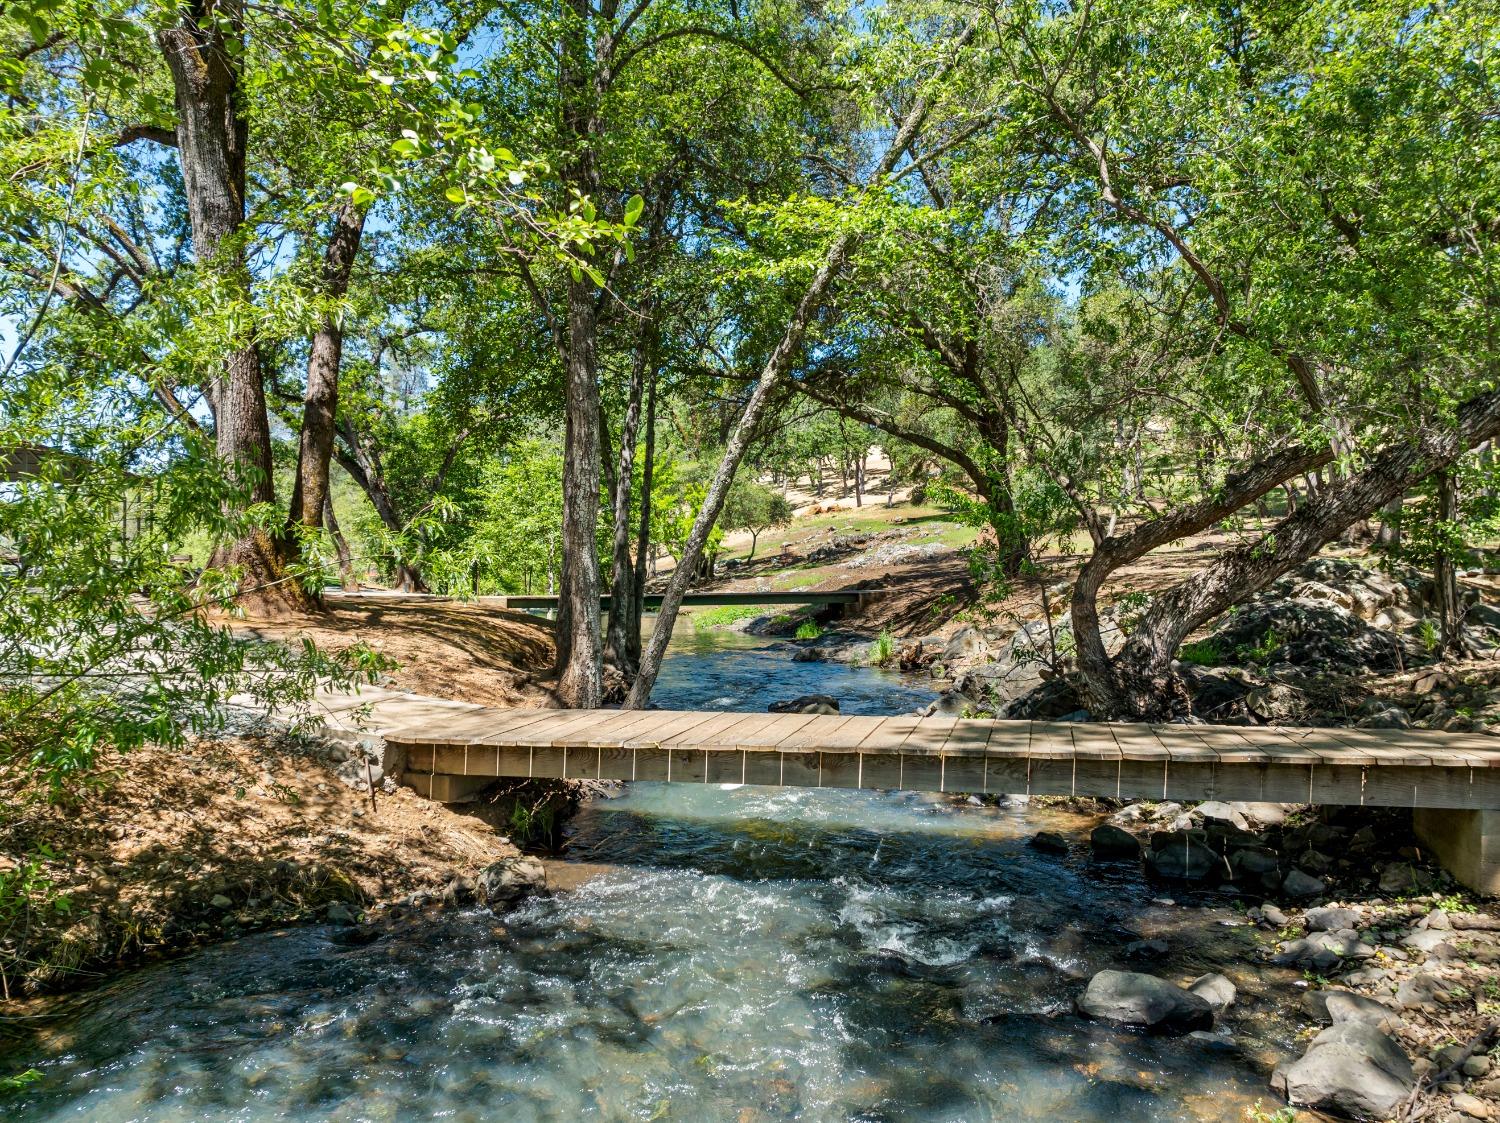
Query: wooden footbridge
1398	768
450	751
1451	781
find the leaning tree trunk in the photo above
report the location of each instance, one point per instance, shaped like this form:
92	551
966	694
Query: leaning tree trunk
771	375
320	402
1140	683
347	576
643	534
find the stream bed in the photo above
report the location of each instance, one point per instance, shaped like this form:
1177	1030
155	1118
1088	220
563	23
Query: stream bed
710	953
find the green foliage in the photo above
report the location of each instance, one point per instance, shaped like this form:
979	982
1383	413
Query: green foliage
809	629
1262	650
106	641
883	650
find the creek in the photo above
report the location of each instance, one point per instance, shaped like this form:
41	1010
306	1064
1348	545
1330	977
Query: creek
710	953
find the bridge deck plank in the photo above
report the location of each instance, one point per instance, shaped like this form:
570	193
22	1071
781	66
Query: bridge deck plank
664	728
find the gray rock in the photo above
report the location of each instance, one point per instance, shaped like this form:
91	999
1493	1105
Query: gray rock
1437	920
1215	809
1273	916
1262	815
339	913
1182	857
358	771
219	901
1330	919
1253	862
1134	999
1422	992
806	704
1110	841
1350	1007
1387	717
1322	950
510	879
1403	877
1214	989
1428	940
1146	949
1352	1070
1299	884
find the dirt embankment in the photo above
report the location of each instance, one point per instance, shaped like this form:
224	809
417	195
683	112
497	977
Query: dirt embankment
174	849
444	649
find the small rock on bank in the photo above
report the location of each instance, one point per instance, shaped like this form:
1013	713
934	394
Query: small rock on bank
1351	1070
509	880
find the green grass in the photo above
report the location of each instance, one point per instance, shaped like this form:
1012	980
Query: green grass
722	615
883	650
809	629
1204	653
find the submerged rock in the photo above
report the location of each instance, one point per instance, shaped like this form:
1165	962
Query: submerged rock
806	704
1134	999
1351	1070
510	879
1049	842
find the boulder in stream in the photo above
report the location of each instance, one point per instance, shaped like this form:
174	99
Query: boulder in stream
510	879
1131	998
1110	841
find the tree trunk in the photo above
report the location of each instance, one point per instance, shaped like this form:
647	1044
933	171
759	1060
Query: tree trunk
203	59
1446	599
347	576
643	535
320	403
779	362
578	640
754	534
622	575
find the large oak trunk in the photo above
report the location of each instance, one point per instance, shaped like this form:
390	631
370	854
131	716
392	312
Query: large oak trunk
202	52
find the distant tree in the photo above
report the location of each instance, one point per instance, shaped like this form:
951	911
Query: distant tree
754	507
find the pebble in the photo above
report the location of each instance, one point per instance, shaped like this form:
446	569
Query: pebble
1478	1065
219	901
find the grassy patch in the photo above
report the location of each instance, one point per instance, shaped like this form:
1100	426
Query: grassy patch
723	615
1204	653
809	629
883	650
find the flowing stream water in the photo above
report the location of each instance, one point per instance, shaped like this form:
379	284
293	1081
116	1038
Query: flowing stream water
711	953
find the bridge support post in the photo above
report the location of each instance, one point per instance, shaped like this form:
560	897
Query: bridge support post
446	788
1466	842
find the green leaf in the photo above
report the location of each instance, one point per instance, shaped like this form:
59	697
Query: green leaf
633	208
455	195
